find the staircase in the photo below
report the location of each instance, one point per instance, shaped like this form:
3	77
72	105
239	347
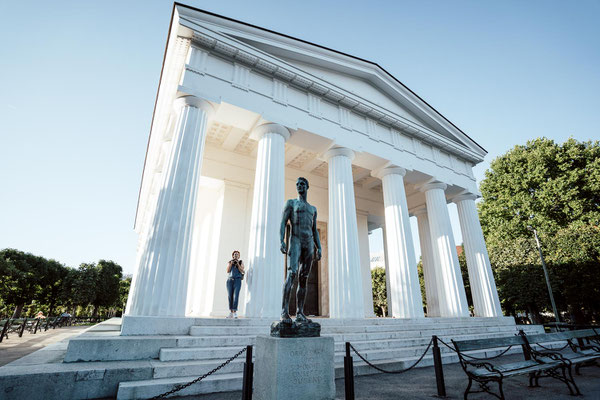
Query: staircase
388	343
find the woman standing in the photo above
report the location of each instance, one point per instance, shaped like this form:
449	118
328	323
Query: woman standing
235	270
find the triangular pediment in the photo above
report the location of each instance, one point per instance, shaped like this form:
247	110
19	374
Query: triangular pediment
361	80
346	79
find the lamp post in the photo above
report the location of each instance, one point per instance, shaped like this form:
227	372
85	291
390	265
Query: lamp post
537	242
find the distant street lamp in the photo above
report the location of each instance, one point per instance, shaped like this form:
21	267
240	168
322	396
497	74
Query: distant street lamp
537	242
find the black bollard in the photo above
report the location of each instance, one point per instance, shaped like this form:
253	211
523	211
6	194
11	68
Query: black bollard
248	375
439	369
348	374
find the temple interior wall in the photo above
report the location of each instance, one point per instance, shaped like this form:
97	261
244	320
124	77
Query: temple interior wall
223	224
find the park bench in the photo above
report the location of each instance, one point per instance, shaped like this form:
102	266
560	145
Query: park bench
584	345
4	328
484	372
13	326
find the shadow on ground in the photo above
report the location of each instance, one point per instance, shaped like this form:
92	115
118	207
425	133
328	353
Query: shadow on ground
419	383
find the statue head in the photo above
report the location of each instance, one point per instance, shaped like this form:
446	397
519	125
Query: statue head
301	185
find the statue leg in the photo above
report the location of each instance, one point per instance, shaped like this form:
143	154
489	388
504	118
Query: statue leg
294	254
303	274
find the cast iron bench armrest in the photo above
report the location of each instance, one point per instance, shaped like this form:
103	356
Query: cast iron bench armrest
482	364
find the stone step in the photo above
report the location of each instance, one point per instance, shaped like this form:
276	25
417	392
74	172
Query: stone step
407	342
216	341
225	330
351	337
197	353
172	369
147	389
222	347
232	380
473	321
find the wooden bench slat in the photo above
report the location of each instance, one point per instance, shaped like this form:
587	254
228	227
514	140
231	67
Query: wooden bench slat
558	336
512	369
479	344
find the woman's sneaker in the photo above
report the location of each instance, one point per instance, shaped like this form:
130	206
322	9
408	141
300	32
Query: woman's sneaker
235	315
230	315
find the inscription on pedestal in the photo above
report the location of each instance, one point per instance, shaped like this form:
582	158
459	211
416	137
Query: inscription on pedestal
294	368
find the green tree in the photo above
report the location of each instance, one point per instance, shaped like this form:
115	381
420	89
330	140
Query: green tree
24	272
50	284
124	287
556	189
108	284
379	291
84	285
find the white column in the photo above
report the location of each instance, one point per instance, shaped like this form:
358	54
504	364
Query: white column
405	289
265	260
390	311
452	300
345	286
429	274
481	279
365	263
159	287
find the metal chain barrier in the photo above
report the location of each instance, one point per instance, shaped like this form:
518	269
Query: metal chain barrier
477	358
393	372
198	379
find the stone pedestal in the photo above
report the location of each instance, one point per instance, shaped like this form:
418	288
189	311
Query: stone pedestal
294	368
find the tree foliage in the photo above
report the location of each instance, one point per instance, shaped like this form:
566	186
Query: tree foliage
31	283
554	188
379	291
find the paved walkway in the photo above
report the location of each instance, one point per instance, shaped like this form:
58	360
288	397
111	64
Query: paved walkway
419	383
16	347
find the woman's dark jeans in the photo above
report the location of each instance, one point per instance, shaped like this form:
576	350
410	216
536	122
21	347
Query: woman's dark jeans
233	289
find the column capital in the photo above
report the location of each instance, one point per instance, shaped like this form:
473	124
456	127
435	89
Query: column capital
270	127
432	185
419	211
339	151
464	196
388	171
196	102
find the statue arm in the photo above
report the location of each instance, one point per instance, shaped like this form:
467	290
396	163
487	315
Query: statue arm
316	237
287	211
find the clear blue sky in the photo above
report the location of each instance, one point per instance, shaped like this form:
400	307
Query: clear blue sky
78	81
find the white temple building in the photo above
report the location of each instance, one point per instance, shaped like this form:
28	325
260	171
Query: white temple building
241	113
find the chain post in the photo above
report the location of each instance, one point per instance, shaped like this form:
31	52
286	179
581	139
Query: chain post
348	374
248	375
439	369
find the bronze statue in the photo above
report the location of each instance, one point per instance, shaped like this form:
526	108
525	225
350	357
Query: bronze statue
303	240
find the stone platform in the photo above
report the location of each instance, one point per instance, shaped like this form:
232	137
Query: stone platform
158	353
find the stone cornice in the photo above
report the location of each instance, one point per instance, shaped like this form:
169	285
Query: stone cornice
266	64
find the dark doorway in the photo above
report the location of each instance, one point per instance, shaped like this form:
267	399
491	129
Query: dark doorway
311	305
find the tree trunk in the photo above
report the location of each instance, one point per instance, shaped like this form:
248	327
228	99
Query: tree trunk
95	313
18	310
51	307
536	318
